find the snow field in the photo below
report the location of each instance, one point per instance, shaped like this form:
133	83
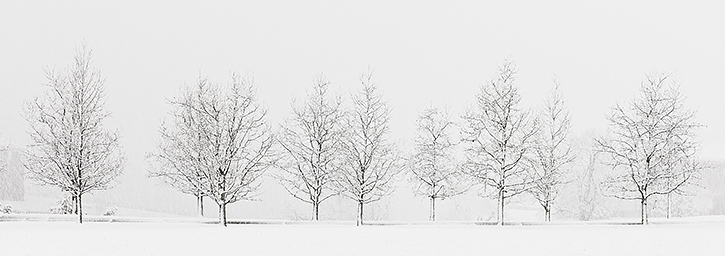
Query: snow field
65	238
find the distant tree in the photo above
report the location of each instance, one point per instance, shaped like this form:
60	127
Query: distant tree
12	180
3	160
498	136
652	148
70	148
433	170
311	141
370	160
178	161
552	152
692	165
588	189
228	142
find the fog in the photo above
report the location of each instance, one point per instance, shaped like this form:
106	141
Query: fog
422	54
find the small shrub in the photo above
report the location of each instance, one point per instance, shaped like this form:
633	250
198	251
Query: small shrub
110	211
65	206
6	209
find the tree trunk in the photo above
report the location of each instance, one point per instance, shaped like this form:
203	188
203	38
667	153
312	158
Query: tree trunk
432	209
547	210
669	205
80	209
316	211
644	212
74	201
200	205
359	213
500	207
223	214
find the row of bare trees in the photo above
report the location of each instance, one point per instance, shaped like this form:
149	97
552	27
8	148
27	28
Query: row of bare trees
218	144
651	147
507	149
329	150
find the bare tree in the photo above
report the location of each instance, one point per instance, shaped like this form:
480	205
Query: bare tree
223	134
552	152
70	147
370	160
311	142
434	172
178	161
588	188
652	146
12	180
671	183
497	136
4	160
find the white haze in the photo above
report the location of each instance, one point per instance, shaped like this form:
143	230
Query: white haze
423	53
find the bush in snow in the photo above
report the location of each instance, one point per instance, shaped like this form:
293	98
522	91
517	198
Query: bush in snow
65	206
110	211
7	209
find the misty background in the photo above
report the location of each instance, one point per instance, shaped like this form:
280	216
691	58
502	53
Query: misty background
423	53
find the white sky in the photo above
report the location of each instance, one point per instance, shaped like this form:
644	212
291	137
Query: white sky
423	52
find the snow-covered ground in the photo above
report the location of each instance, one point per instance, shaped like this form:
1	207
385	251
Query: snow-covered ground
694	237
